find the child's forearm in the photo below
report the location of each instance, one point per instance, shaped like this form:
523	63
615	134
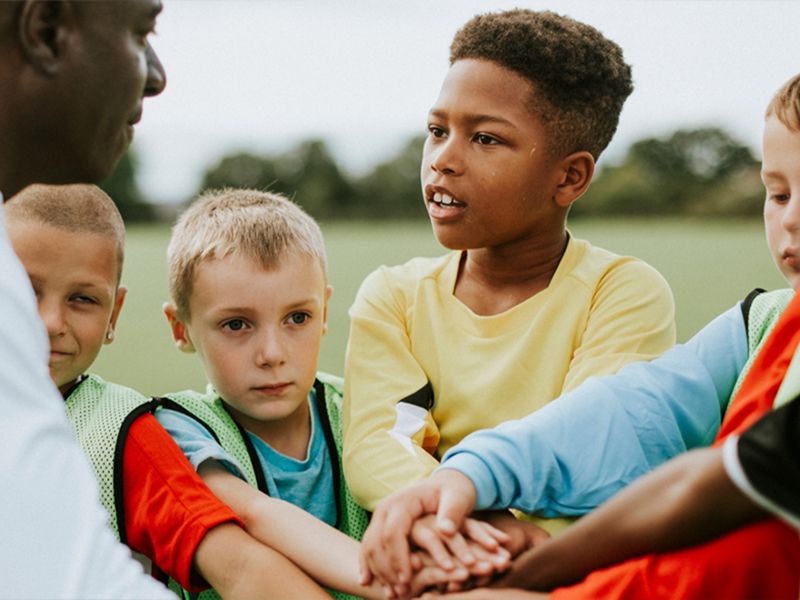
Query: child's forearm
326	554
684	502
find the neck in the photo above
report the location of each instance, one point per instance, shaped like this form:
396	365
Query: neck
492	280
289	436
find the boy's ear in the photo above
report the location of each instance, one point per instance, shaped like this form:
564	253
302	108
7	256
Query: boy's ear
328	294
112	322
180	334
577	171
44	29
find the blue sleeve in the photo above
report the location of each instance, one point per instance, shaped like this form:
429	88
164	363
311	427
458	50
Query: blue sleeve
195	441
580	449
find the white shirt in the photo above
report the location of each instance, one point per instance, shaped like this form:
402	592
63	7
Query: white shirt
54	539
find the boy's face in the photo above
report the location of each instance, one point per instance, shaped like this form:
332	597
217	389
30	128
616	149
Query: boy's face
780	172
487	177
74	275
110	69
258	334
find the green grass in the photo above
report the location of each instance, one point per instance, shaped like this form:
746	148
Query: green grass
710	265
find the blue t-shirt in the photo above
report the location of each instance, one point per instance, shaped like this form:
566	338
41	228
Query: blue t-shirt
305	483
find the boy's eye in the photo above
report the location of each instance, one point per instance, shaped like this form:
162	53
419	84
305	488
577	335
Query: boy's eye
235	324
299	318
435	131
81	299
485	139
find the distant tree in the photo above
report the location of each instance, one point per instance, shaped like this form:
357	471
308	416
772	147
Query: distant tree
123	188
308	174
693	172
392	188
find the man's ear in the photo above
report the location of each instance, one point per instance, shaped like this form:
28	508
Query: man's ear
577	171
180	333
112	322
44	29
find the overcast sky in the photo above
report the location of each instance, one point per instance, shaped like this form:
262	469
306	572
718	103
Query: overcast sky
362	74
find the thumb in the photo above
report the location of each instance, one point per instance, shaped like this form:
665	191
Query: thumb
456	501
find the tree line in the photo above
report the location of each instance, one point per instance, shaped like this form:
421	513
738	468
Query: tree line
701	172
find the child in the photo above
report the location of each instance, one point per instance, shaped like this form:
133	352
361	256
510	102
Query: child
521	311
653	412
70	240
249	295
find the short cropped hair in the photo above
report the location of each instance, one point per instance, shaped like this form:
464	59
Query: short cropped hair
75	208
580	79
785	104
262	226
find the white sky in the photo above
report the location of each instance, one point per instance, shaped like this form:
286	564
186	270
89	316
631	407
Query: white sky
362	74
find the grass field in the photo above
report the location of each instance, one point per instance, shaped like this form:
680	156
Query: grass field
710	265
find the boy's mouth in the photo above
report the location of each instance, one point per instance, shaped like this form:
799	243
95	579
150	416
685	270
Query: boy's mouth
442	197
273	389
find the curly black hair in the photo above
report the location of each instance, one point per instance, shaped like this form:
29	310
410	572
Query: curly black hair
580	79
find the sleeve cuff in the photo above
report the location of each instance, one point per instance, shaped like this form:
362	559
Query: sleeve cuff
734	469
477	472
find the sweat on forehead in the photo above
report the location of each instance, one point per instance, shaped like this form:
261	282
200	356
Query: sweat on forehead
260	225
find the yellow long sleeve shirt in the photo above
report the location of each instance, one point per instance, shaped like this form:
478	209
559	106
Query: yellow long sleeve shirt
422	370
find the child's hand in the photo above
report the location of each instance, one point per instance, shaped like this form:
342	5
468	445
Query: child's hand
385	552
478	546
522	535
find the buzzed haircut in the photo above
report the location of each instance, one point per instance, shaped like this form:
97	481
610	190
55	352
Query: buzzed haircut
580	79
263	226
75	208
785	104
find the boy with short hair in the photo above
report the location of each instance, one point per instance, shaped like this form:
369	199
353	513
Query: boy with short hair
248	282
655	411
70	240
520	311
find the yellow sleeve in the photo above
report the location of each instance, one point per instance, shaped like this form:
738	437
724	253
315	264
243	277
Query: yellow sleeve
388	431
632	318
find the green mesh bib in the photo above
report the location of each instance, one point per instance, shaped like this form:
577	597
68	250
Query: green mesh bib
209	410
765	310
101	414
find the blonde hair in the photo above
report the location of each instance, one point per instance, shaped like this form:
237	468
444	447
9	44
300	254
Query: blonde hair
74	208
785	104
260	225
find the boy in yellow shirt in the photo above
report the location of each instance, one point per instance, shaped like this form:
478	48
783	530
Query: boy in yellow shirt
520	311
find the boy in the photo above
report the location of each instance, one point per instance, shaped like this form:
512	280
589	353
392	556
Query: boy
63	119
70	240
249	295
654	411
520	311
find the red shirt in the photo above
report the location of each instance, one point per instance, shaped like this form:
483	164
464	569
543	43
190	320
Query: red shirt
168	508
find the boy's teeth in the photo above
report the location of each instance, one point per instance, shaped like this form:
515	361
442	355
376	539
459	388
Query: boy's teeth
437	197
443	199
446	199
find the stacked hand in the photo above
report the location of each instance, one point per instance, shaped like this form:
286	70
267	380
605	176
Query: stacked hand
421	537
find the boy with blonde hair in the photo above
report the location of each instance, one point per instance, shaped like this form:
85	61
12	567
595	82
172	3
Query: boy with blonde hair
710	391
70	239
248	281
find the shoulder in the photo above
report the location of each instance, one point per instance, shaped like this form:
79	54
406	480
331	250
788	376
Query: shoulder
605	270
407	275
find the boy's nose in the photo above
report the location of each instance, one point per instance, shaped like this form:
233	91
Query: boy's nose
791	215
156	76
445	158
52	315
271	351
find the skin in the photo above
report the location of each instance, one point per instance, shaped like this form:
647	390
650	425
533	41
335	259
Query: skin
488	152
781	177
258	334
75	277
71	116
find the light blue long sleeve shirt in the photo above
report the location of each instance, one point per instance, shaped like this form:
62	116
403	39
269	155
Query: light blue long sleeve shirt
576	452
